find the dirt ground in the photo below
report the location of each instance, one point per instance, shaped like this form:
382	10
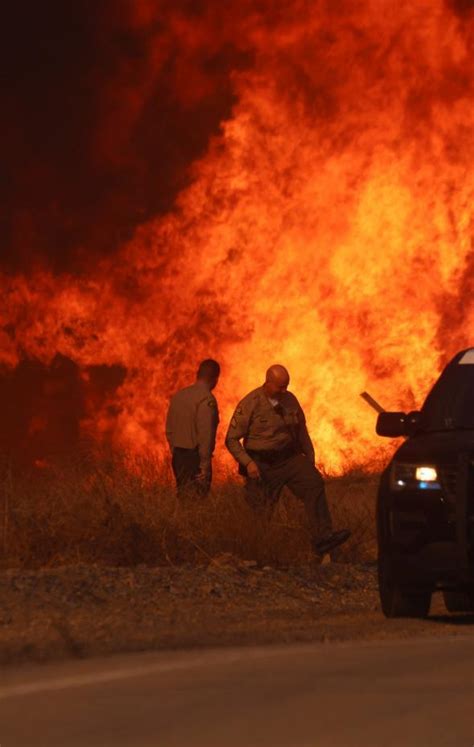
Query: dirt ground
84	610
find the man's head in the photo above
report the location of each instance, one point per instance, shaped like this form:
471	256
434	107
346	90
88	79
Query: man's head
208	372
277	380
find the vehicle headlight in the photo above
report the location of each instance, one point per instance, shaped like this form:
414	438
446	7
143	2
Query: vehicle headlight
414	477
426	474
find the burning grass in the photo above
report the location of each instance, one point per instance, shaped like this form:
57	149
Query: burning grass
109	512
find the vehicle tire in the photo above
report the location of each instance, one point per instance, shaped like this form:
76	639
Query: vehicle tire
395	600
459	601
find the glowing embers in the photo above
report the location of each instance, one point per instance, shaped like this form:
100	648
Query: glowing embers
414	477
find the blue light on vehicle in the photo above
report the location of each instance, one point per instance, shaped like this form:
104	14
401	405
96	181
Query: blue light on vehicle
409	476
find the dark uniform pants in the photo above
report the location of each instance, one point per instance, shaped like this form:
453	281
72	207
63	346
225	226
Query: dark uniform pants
304	480
185	463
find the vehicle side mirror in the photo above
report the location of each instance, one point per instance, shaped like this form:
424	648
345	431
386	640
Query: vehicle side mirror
395	424
391	424
412	422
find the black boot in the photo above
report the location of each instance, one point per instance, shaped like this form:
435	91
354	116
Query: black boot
326	544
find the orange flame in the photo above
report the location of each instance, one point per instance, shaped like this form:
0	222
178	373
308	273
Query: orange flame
328	227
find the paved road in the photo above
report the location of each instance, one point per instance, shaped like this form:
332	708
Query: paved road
419	692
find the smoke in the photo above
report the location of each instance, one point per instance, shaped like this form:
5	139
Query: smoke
462	7
106	105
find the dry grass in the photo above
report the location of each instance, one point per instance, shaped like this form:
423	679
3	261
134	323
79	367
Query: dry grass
101	511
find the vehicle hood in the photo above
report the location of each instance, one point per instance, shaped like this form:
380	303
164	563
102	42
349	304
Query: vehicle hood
439	447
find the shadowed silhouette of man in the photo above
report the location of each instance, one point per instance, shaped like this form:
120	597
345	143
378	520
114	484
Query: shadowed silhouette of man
191	426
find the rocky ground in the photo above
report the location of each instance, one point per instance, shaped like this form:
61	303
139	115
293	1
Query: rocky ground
84	610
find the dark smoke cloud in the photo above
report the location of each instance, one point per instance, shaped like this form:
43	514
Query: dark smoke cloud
462	7
96	134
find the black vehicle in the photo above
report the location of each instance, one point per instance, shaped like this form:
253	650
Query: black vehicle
425	506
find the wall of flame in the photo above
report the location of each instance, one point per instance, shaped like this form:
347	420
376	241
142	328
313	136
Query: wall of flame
325	221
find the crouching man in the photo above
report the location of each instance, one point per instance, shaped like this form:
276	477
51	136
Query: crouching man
269	439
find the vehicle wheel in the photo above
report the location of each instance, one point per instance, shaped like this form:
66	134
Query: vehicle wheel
459	601
397	601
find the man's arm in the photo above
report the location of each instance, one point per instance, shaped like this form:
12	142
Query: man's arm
207	419
303	435
238	429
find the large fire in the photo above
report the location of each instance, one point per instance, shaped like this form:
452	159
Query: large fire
328	226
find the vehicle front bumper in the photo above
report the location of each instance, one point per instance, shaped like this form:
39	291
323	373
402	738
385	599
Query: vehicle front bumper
432	531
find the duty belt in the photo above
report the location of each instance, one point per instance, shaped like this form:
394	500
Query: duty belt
273	456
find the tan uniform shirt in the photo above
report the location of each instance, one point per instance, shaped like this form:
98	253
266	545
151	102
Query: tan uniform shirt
261	427
192	421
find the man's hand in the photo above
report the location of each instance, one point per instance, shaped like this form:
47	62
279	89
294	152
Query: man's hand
253	471
203	475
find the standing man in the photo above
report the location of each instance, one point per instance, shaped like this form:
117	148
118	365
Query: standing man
191	425
276	450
